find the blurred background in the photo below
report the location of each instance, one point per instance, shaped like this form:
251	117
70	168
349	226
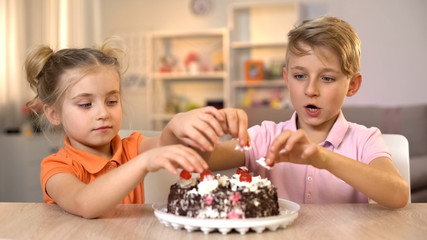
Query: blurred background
184	54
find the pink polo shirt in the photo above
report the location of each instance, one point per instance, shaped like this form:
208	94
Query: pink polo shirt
305	183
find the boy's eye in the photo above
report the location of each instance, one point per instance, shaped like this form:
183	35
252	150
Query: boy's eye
327	79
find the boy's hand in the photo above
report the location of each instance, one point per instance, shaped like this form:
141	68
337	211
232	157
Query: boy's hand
202	128
172	157
295	147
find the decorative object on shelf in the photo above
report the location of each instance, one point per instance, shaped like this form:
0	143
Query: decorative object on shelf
276	68
254	70
168	63
218	104
217	60
192	65
200	7
199	75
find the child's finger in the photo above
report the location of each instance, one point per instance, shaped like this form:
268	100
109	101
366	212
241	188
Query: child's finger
243	128
194	144
277	146
171	168
205	136
309	151
189	160
232	123
293	139
213	122
214	112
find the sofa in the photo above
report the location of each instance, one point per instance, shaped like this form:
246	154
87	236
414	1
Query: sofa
410	121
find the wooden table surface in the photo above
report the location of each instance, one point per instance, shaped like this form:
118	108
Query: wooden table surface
332	221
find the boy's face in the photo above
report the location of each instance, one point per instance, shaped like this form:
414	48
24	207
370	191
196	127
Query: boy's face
318	87
91	113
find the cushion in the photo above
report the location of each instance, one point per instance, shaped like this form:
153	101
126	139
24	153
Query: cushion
414	128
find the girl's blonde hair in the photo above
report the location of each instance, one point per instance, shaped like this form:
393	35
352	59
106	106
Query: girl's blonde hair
45	67
332	33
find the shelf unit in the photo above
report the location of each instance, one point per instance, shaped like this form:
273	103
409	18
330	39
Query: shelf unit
177	81
254	37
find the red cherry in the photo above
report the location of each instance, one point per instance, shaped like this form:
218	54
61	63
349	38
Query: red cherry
204	174
241	171
246	177
185	174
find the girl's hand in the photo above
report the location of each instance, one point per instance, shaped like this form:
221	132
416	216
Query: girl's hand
202	128
173	156
236	124
295	147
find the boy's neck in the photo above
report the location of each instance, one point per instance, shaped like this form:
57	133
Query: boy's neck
317	134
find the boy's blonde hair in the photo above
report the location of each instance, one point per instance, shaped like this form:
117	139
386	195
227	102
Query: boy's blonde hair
44	69
332	33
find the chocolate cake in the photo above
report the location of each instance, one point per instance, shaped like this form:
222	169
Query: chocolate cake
221	197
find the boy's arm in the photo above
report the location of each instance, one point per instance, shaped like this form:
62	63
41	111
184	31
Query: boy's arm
379	180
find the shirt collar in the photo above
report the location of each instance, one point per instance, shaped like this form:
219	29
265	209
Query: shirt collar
338	131
91	162
293	122
336	134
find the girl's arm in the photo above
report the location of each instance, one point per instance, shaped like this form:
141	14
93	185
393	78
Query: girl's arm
202	128
379	180
100	196
224	156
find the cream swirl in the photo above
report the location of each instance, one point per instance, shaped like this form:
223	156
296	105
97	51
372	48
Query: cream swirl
187	183
207	186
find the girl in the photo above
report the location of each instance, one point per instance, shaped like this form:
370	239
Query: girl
81	94
319	156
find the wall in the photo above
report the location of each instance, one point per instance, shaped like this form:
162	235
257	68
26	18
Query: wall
392	33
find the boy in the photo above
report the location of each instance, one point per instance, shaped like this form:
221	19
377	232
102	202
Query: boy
318	156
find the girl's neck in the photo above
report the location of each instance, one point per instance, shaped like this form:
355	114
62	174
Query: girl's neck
103	151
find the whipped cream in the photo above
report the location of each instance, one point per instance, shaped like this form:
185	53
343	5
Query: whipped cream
187	183
207	186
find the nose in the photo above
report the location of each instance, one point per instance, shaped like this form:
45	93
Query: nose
102	112
312	88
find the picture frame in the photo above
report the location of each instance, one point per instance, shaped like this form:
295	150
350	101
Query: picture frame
254	70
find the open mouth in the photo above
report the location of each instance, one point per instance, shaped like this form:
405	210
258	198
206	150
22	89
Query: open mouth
311	107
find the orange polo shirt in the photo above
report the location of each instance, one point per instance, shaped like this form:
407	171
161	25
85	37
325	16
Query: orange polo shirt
87	167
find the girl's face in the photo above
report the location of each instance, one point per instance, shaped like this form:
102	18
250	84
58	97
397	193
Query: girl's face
91	113
318	87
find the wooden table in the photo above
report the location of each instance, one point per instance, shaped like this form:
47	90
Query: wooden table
333	221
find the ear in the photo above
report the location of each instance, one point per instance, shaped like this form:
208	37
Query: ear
52	115
355	83
285	75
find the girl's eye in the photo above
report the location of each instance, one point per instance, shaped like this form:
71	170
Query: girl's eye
112	103
85	105
299	76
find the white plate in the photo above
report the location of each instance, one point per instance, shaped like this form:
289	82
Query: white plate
288	213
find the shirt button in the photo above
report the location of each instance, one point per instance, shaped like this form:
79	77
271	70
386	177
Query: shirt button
309	178
308	196
111	167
